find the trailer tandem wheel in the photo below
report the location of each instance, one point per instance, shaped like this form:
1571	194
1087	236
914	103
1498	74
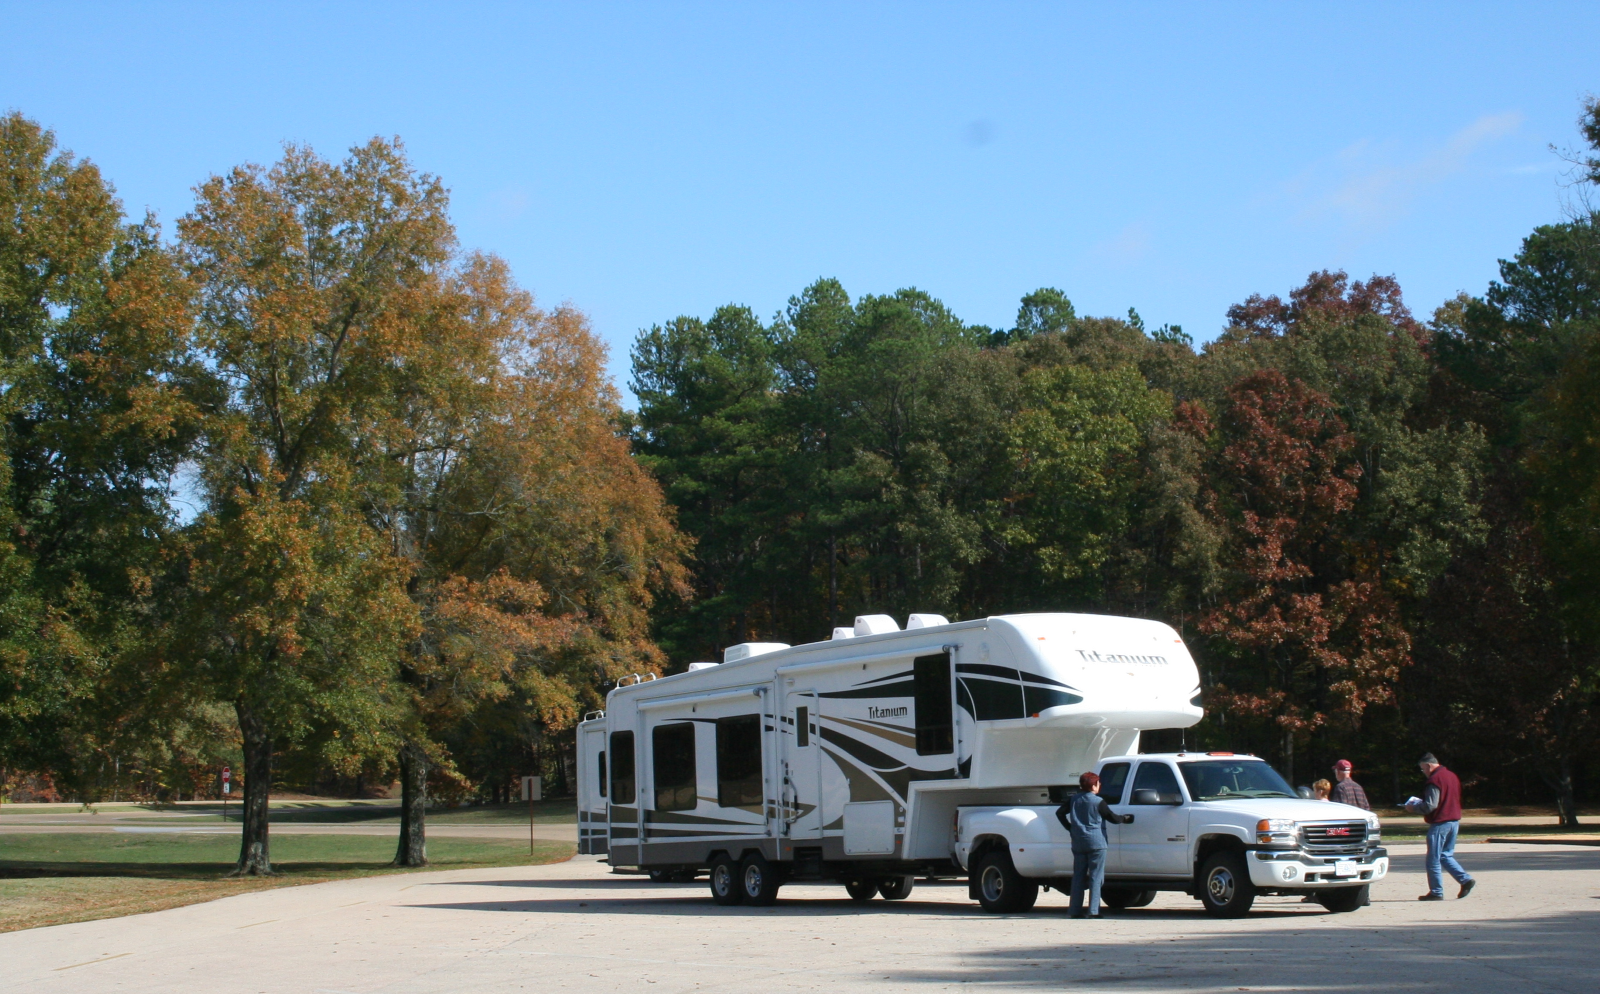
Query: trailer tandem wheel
758	881
725	887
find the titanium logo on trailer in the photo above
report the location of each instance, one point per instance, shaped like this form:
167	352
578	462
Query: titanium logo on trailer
873	712
1090	656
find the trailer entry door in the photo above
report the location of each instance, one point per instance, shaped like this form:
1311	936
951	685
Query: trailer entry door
802	812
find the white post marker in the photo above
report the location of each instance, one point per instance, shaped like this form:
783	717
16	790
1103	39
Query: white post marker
532	790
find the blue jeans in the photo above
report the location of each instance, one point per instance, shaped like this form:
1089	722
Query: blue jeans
1442	852
1088	870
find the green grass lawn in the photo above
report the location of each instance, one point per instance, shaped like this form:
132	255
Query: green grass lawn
50	879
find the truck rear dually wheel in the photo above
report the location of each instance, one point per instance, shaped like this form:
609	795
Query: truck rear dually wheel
1001	889
897	888
1225	887
861	891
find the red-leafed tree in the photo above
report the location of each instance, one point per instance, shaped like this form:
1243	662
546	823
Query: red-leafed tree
1306	633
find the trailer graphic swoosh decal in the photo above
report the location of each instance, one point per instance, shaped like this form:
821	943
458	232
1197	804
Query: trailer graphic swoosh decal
904	688
894	733
861	751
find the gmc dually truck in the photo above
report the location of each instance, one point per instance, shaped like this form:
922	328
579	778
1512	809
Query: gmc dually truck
1218	826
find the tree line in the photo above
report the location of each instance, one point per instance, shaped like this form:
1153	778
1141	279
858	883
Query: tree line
1380	533
305	487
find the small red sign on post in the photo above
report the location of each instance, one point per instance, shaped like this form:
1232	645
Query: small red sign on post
227	780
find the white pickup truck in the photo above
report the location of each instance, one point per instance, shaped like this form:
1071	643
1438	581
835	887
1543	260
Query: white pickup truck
1217	826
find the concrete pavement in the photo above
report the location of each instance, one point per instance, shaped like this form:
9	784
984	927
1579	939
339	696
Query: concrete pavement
1532	925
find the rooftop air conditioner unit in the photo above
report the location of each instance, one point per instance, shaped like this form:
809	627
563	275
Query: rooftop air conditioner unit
875	624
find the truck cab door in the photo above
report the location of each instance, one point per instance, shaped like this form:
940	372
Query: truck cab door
1157	842
1113	784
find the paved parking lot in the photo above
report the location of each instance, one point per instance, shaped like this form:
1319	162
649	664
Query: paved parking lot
1532	925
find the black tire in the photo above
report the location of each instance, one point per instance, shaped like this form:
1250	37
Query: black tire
861	891
897	888
725	881
1343	900
1001	889
1123	898
660	876
1225	887
758	880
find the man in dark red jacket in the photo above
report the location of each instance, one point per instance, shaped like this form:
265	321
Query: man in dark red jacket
1441	809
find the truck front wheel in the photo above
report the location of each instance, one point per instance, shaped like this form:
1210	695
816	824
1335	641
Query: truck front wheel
1001	890
1225	887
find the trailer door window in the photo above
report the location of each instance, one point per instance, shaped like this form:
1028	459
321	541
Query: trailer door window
602	765
739	761
802	727
622	786
935	722
1112	779
673	748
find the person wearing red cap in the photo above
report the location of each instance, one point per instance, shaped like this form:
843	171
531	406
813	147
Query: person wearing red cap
1345	789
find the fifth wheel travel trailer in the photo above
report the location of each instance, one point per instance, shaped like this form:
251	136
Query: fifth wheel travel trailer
847	759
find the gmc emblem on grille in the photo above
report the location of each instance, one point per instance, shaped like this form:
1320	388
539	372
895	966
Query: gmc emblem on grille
1338	831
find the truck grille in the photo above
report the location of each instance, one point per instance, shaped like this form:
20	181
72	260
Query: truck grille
1335	838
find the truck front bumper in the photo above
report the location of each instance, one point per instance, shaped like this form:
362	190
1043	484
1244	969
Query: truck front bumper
1303	871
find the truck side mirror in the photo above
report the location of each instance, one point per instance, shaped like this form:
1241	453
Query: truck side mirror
1145	797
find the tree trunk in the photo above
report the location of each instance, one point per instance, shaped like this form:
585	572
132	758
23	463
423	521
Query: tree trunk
1566	803
1288	755
413	849
254	855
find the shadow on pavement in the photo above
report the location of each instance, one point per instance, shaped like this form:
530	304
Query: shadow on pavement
1532	954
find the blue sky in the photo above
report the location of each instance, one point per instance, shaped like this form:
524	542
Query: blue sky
644	161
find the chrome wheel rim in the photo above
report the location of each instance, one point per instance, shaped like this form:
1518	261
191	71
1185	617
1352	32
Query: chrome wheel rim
992	883
722	880
752	880
1220	885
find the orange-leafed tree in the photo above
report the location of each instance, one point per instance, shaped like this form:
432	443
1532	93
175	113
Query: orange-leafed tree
1307	633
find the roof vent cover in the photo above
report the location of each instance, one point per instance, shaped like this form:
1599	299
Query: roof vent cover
875	624
844	633
744	650
695	667
925	621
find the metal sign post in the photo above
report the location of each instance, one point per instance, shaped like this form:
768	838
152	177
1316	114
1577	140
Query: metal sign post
227	788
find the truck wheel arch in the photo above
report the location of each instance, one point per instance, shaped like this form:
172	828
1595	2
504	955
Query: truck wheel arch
1211	843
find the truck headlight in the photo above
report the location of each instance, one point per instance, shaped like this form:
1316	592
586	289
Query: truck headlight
1275	832
1374	830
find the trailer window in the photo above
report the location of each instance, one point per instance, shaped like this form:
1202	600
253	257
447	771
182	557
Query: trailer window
739	761
1112	779
935	722
673	766
802	727
622	786
602	765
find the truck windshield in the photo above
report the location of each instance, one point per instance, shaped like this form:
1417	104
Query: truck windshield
1216	780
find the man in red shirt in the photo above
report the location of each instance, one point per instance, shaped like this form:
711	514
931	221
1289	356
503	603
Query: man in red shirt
1345	789
1440	807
